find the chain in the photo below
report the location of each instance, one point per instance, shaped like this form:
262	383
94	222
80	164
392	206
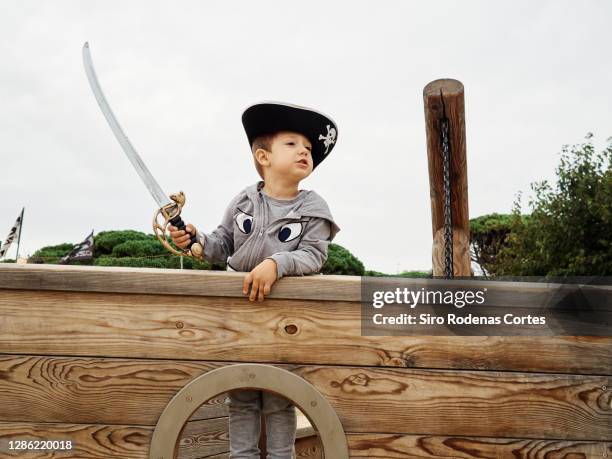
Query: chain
448	219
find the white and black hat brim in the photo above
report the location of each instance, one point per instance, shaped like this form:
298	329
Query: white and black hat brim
271	117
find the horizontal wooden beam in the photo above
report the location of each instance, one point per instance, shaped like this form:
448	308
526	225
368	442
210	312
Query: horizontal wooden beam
406	401
170	282
282	331
433	447
129	442
173	282
91	441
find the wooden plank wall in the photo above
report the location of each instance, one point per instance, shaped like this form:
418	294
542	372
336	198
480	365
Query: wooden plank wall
94	355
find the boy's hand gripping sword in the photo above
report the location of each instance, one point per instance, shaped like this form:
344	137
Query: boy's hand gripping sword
170	209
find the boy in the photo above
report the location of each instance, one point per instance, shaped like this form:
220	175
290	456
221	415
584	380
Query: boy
270	230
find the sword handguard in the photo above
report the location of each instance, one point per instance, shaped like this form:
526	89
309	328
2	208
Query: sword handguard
171	215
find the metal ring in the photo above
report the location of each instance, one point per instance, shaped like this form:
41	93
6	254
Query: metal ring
164	444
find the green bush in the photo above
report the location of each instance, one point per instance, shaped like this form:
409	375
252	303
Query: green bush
569	232
136	262
411	274
139	248
106	241
488	234
341	261
372	273
135	249
51	253
416	274
166	262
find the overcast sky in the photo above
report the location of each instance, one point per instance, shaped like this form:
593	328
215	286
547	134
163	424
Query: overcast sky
179	74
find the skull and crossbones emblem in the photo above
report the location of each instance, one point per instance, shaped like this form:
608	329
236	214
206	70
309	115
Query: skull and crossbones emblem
329	138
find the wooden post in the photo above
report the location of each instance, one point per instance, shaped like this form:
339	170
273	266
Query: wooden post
453	106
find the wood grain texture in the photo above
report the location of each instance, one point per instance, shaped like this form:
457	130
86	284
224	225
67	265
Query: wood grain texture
91	391
438	402
223	284
461	252
79	360
308	448
200	439
453	106
443	402
204	438
373	446
170	282
217	328
129	442
89	441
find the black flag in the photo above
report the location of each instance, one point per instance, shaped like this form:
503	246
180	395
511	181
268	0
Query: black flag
11	237
81	251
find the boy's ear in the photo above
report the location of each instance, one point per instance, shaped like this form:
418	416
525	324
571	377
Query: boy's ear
261	156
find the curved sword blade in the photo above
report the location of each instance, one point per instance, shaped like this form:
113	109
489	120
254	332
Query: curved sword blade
160	197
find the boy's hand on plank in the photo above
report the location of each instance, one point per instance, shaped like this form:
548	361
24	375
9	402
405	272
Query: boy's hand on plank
181	238
260	279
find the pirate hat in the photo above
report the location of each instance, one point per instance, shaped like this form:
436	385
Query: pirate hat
271	117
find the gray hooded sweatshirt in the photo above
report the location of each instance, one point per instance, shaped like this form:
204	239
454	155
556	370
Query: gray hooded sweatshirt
294	233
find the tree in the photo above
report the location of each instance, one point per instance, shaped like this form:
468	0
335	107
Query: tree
135	249
139	250
51	253
106	241
569	232
488	235
341	261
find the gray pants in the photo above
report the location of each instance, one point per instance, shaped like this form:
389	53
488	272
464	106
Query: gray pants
245	409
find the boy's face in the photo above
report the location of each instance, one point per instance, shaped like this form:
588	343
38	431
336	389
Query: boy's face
289	156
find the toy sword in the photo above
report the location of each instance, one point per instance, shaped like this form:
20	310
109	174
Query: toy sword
169	209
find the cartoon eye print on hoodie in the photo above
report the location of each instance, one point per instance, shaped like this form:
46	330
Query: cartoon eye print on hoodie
290	231
244	221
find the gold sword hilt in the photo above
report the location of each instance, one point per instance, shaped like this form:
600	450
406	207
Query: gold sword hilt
171	214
